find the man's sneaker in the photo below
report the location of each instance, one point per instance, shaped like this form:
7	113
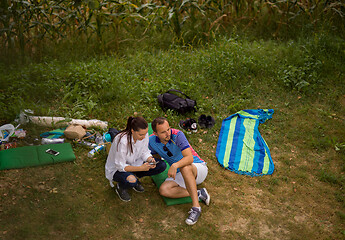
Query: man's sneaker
139	187
184	124
122	193
204	196
194	214
193	125
189	125
210	121
202	121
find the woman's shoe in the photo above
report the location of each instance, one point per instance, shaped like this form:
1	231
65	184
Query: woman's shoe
139	187
122	193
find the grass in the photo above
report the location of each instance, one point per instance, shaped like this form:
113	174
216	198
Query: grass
303	199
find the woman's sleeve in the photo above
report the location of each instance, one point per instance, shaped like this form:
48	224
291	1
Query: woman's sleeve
119	151
146	151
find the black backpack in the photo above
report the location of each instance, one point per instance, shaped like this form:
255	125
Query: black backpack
169	100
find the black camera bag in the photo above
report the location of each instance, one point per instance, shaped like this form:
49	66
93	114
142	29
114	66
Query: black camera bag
170	100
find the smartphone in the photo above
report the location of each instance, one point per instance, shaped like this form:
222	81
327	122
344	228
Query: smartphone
52	152
153	163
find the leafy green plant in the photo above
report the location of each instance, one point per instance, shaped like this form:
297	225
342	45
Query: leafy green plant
180	11
340	147
302	76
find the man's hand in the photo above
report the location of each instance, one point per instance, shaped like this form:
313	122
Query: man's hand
172	171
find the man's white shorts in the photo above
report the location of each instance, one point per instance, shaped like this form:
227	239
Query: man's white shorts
202	171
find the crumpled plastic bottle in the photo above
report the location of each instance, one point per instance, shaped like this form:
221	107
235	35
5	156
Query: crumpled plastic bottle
99	139
95	150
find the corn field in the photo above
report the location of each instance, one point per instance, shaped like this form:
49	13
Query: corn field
26	26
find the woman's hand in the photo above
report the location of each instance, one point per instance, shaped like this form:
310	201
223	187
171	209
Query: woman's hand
146	166
150	159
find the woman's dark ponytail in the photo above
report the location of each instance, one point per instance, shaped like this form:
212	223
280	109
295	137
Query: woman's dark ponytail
129	124
135	124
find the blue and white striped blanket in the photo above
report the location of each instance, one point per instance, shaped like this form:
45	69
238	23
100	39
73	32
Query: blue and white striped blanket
241	147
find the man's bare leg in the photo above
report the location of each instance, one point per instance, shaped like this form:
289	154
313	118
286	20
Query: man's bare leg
173	190
189	174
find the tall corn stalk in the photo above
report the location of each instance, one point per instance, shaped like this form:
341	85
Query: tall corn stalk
26	25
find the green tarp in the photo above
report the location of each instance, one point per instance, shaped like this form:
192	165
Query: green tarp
31	156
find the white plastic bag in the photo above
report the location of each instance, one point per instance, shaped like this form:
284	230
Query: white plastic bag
26	116
6	131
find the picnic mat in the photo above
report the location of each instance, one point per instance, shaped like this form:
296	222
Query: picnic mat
160	178
240	146
30	156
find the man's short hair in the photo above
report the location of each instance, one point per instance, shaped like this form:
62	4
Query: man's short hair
158	121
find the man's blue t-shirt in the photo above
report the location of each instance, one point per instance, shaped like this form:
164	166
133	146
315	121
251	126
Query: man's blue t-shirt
177	143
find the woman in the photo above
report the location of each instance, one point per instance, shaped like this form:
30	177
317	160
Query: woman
130	158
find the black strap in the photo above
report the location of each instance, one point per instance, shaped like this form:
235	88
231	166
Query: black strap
174	90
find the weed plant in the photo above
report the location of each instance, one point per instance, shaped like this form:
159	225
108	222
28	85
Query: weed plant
301	79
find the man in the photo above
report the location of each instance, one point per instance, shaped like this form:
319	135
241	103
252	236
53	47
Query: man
186	170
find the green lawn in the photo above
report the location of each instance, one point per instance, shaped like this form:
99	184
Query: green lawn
302	80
